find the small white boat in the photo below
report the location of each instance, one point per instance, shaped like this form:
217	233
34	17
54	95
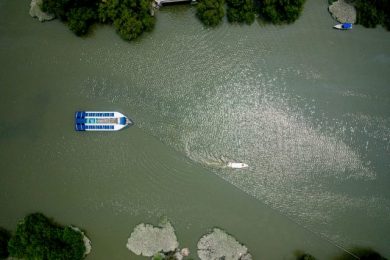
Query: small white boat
100	121
343	26
236	165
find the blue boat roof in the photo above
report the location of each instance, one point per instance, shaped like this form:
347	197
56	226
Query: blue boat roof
347	25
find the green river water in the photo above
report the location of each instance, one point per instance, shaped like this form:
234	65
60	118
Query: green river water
306	106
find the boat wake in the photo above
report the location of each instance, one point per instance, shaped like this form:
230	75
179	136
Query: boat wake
214	161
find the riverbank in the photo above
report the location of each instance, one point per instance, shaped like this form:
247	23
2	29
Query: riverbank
36	11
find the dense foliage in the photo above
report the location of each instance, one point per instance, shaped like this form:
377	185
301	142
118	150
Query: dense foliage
79	14
240	11
130	17
370	13
5	236
280	11
38	237
210	12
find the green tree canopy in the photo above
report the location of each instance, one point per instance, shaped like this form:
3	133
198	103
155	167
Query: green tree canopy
80	19
38	237
5	236
370	13
240	11
130	17
280	11
210	12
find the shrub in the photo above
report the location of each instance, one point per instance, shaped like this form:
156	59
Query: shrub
5	236
38	237
280	11
240	11
80	19
210	12
130	17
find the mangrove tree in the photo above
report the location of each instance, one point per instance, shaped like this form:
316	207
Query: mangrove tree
5	236
240	11
130	17
210	12
371	13
280	11
38	237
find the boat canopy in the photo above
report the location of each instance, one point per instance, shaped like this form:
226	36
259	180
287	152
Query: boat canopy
347	25
122	120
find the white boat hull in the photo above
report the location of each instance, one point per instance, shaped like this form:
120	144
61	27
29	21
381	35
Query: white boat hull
236	165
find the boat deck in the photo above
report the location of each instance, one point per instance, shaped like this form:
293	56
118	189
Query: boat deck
106	120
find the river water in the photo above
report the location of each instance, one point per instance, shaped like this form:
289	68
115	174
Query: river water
306	106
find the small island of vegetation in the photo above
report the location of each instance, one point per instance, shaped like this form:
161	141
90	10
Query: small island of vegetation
38	237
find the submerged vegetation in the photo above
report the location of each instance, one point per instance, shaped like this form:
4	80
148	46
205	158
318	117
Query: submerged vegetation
38	237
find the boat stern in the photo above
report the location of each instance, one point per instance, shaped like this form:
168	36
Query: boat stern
79	120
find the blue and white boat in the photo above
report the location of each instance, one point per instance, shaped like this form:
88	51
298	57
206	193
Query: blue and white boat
343	26
100	121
